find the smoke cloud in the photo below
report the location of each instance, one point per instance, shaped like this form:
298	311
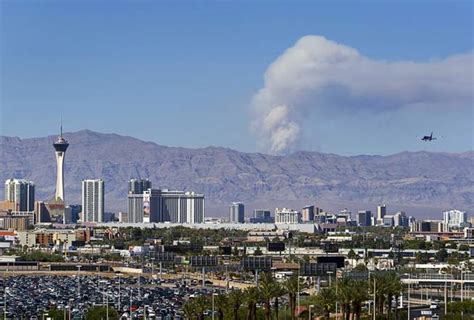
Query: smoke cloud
319	73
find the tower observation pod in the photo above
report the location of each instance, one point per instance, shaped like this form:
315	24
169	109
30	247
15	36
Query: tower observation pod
60	145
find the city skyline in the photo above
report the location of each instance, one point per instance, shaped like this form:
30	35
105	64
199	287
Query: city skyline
173	65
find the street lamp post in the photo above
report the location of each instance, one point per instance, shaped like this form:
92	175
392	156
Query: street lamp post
408	300
445	294
120	296
375	295
310	307
298	293
213	294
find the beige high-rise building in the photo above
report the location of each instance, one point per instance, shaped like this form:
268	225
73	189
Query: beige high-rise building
22	193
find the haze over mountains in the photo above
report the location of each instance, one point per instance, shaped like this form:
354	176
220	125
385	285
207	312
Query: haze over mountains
422	183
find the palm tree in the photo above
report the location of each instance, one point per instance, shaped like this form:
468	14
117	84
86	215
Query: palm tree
267	291
236	299
291	286
393	288
380	292
325	302
279	291
201	304
189	309
222	303
359	295
252	297
344	296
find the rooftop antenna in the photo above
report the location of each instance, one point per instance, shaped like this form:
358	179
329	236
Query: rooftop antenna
61	126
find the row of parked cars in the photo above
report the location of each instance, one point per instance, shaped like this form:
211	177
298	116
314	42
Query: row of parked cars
31	297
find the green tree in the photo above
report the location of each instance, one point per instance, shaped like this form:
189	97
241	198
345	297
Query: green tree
236	299
268	288
441	255
352	254
252	297
189	309
101	312
291	286
222	304
201	304
325	302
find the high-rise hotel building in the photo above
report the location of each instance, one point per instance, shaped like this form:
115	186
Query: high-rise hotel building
163	205
22	193
237	212
138	186
93	200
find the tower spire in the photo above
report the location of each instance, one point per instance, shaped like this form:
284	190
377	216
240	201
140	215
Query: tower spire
61	127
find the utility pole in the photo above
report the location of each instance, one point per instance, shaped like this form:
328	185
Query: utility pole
5	302
298	294
408	299
445	295
375	295
119	297
130	310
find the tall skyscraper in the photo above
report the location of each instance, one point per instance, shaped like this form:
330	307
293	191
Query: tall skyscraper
237	212
381	212
138	186
307	214
93	200
60	145
156	205
22	193
135	208
41	212
364	218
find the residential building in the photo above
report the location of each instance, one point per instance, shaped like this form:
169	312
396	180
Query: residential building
400	219
72	213
364	218
163	205
93	200
454	219
262	216
288	216
436	226
123	217
381	212
388	221
41	212
135	207
22	193
15	222
307	214
138	186
345	214
237	212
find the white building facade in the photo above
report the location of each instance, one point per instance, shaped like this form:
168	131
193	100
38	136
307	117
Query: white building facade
454	219
288	216
93	200
236	212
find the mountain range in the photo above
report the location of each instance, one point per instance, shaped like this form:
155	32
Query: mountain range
421	183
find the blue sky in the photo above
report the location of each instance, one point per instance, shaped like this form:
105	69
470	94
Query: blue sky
184	74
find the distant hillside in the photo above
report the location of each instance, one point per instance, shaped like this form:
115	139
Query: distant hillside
420	182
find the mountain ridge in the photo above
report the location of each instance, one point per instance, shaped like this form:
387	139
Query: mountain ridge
405	180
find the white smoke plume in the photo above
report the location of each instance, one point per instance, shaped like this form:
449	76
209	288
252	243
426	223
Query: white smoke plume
319	73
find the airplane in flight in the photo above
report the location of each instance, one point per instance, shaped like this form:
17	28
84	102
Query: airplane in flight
428	138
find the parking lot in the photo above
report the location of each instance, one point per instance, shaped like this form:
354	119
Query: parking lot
31	296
